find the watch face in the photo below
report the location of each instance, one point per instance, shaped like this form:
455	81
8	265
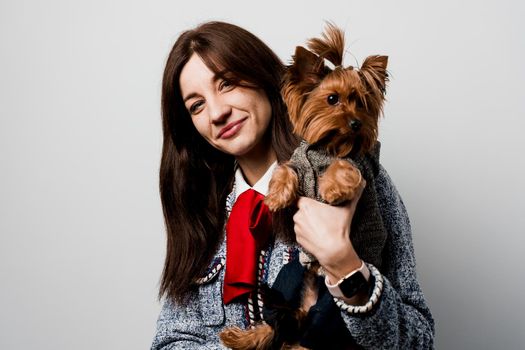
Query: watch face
353	284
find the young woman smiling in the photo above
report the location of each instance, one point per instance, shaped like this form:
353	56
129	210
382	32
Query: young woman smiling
225	129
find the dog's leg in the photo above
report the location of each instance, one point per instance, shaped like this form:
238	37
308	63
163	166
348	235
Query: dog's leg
339	182
310	289
282	190
257	338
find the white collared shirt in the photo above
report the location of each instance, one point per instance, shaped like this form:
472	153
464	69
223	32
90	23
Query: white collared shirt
260	186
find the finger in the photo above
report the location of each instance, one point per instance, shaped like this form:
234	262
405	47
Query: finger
299	238
297	217
296	230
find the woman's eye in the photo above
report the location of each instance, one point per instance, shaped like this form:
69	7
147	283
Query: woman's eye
225	84
195	107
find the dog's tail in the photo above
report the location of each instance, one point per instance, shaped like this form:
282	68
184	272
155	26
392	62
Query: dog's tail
331	45
257	338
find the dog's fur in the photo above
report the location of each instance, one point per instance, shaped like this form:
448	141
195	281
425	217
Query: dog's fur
337	111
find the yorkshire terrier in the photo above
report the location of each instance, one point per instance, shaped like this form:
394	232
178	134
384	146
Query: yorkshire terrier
335	110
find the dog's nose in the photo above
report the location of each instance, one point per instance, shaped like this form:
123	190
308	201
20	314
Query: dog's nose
355	124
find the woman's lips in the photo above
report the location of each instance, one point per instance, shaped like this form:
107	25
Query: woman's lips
231	129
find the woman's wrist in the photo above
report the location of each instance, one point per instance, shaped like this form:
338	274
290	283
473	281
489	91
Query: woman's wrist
341	264
335	274
363	269
362	303
351	288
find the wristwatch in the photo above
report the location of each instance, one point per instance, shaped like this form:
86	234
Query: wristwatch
351	284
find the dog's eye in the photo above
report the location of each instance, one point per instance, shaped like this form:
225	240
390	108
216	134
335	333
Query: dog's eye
333	99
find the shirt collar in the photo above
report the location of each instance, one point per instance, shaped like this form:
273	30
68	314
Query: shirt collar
261	186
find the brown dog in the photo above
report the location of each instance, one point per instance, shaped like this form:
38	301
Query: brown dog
336	112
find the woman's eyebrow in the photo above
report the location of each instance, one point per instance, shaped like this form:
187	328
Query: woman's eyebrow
214	79
190	96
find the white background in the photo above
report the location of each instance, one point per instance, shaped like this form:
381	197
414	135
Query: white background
81	228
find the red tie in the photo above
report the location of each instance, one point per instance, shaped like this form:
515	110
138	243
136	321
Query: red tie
247	232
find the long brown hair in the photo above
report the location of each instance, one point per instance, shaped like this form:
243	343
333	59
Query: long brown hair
195	178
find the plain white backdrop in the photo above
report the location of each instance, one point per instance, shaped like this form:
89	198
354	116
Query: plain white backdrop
81	228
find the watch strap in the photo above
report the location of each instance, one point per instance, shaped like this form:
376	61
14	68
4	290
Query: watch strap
335	289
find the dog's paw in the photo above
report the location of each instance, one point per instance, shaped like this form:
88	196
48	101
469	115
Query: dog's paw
282	190
259	337
340	182
232	337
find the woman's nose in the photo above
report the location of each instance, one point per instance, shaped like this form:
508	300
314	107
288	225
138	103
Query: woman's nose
218	110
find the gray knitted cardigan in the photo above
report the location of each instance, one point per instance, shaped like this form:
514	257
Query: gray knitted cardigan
400	320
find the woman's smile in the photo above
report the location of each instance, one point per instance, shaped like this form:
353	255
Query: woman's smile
233	118
231	129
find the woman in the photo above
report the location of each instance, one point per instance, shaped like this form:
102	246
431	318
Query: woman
225	129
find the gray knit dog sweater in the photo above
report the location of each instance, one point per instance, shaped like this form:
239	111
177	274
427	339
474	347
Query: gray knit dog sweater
368	231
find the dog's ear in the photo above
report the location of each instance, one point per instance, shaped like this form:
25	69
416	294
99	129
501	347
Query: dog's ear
375	73
307	67
302	76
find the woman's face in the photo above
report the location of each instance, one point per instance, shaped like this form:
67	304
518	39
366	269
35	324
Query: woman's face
231	118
